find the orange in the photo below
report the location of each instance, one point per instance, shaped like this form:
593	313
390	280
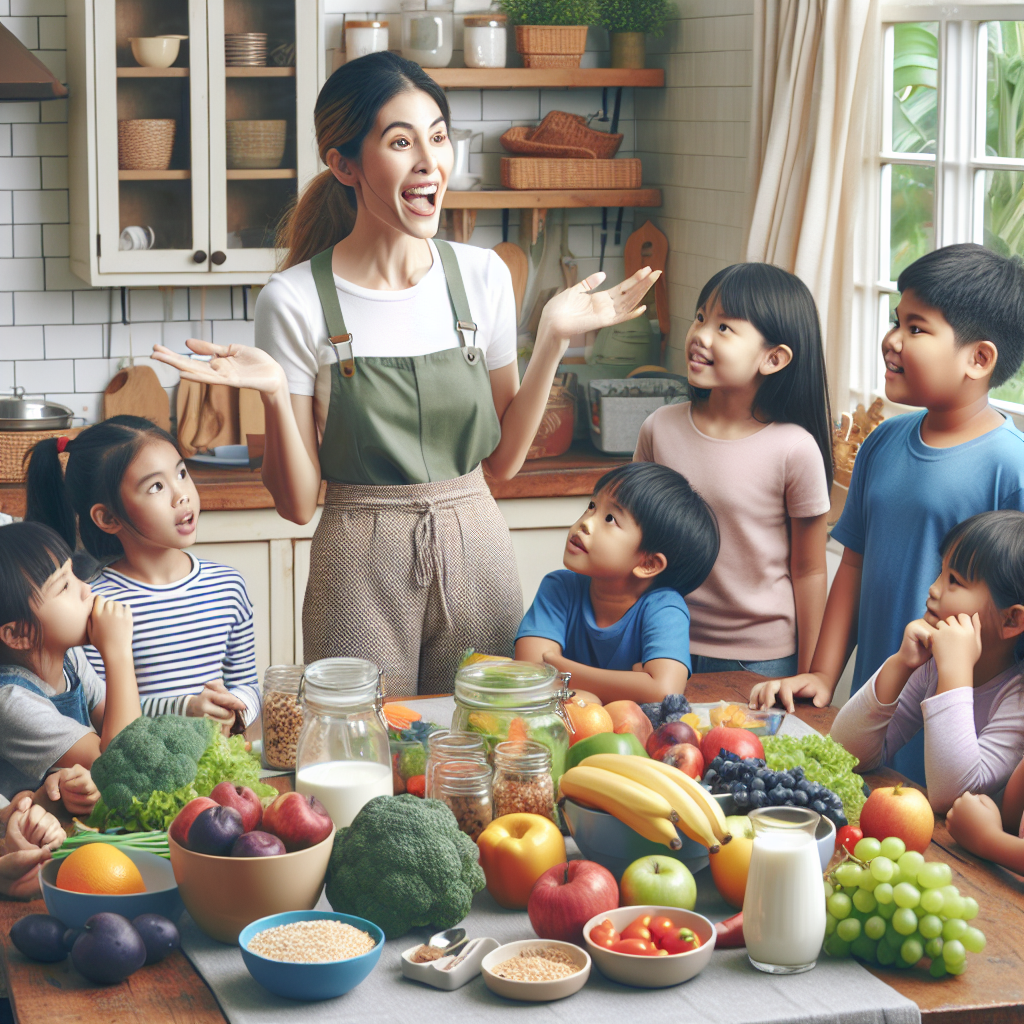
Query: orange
587	719
99	868
731	865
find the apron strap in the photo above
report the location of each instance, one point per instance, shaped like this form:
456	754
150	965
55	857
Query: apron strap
341	340
456	291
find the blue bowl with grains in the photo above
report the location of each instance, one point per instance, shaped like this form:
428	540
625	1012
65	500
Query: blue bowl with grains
310	954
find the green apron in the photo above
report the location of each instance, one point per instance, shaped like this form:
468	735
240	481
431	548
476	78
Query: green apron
405	419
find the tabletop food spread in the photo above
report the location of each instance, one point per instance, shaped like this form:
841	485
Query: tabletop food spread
505	846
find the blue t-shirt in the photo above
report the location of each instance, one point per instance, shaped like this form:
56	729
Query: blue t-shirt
657	626
904	497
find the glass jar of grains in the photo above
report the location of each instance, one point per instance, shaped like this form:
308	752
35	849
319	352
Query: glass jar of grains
522	779
445	746
465	786
281	715
484	40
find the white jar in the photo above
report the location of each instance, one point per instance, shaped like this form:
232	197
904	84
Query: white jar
484	42
427	32
363	37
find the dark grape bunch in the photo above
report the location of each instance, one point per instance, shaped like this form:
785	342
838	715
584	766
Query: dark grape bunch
671	709
752	784
418	731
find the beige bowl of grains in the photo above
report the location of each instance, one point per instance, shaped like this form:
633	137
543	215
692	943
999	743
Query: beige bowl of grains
536	970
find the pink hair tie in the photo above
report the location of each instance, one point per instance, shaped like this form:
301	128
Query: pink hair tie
62	443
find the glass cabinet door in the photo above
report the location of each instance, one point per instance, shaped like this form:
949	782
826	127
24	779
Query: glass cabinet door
152	135
263	81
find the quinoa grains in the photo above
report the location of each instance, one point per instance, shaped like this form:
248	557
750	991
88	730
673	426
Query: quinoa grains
312	942
542	963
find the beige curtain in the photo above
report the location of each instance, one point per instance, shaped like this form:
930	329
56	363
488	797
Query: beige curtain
816	67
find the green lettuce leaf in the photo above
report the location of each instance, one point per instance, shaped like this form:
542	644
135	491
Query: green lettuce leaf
823	760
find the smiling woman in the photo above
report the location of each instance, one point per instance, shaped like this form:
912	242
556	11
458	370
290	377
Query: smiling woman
387	365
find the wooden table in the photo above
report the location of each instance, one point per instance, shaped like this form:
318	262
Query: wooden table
991	992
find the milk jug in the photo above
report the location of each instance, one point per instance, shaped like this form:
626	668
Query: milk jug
784	904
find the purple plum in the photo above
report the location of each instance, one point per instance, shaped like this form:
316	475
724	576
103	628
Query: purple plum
257	844
110	950
215	830
160	935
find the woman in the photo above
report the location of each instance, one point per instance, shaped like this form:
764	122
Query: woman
387	366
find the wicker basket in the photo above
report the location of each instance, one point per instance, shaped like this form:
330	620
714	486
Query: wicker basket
548	173
255	144
15	446
562	135
145	144
546	39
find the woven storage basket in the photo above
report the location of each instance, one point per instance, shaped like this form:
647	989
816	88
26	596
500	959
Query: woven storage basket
145	144
544	173
562	135
255	144
15	446
546	39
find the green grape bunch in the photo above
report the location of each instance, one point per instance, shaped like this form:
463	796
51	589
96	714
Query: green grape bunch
890	907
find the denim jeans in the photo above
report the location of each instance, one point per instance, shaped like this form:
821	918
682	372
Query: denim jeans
773	669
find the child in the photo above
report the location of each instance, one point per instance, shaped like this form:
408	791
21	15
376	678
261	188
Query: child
54	710
136	509
977	824
956	677
28	834
756	442
958	330
615	616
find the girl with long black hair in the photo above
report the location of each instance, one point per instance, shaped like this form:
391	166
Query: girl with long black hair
755	442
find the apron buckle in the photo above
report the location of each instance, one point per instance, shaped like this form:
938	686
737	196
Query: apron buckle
466	325
342	344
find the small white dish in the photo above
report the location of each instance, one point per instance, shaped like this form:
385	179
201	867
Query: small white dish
156	51
464	182
450	972
535	991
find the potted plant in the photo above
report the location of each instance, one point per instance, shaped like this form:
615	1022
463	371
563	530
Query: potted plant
628	22
551	33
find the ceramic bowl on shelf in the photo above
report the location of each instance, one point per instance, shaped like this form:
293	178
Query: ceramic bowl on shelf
156	51
254	145
535	991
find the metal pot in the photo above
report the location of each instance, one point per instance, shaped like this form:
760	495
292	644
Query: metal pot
33	414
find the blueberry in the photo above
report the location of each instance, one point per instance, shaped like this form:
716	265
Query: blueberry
716	763
840	819
804	787
763	773
836	801
675	703
777	795
800	798
787	780
742	798
710	775
750	762
758	798
817	805
757	784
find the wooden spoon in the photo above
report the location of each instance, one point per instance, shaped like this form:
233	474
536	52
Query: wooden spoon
519	267
648	247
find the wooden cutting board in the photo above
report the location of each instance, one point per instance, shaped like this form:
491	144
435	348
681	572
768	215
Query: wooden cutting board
136	391
648	247
519	267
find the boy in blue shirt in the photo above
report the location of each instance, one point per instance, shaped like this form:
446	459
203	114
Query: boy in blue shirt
957	332
615	616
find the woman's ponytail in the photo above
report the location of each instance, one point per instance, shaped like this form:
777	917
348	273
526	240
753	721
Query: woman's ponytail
48	501
321	217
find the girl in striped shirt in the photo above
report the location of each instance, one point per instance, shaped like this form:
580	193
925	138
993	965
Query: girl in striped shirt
128	496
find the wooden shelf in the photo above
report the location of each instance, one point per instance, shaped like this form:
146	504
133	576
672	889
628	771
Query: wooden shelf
258	72
550	199
262	174
152	72
545	78
153	175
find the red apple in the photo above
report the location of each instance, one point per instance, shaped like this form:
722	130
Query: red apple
686	757
184	818
628	717
899	811
671	733
298	821
567	896
738	741
243	799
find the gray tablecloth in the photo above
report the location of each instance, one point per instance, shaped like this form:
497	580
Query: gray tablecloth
728	991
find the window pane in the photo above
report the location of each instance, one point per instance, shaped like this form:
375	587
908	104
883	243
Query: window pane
912	217
915	75
1004	109
1004	211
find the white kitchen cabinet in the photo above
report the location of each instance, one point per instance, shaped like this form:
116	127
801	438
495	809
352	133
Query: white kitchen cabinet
212	220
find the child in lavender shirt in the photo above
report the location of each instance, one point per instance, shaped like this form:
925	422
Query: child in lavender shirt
957	673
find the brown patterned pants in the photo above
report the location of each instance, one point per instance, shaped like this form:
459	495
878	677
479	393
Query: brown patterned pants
408	577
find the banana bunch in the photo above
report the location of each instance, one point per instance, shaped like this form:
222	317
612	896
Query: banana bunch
650	797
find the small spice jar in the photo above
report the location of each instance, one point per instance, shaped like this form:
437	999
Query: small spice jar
281	715
465	786
485	40
445	746
363	37
522	779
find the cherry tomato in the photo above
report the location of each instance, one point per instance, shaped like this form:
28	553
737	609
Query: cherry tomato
681	940
661	926
637	947
604	934
848	837
636	930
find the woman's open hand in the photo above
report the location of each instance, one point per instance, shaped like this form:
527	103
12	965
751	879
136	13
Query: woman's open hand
238	366
580	308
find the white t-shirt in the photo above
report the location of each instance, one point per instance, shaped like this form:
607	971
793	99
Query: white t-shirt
415	321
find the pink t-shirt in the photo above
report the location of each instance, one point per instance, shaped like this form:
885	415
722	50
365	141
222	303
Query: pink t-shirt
755	485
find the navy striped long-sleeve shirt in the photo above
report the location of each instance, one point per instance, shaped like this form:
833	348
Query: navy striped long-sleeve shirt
186	634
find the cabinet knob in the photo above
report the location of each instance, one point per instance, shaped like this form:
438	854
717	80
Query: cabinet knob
199	256
218	258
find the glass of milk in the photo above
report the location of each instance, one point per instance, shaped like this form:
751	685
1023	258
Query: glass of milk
784	904
342	757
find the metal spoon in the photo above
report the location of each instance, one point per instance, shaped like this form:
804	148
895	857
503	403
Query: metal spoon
449	940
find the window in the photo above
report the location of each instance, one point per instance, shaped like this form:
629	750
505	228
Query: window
950	164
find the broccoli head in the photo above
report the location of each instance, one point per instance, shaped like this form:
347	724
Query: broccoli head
151	754
403	863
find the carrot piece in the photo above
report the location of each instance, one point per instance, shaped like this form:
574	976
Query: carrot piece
517	731
400	717
416	785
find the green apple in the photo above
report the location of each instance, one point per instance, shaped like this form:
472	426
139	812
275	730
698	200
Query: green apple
739	825
659	881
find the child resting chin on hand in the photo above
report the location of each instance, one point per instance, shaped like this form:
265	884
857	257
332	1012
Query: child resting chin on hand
977	824
615	616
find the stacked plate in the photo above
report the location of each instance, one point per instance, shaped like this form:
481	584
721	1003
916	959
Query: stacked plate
245	49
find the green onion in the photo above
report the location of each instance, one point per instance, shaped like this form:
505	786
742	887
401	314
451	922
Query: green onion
149	842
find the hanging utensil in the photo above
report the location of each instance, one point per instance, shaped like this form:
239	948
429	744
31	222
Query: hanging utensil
519	267
604	235
648	247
